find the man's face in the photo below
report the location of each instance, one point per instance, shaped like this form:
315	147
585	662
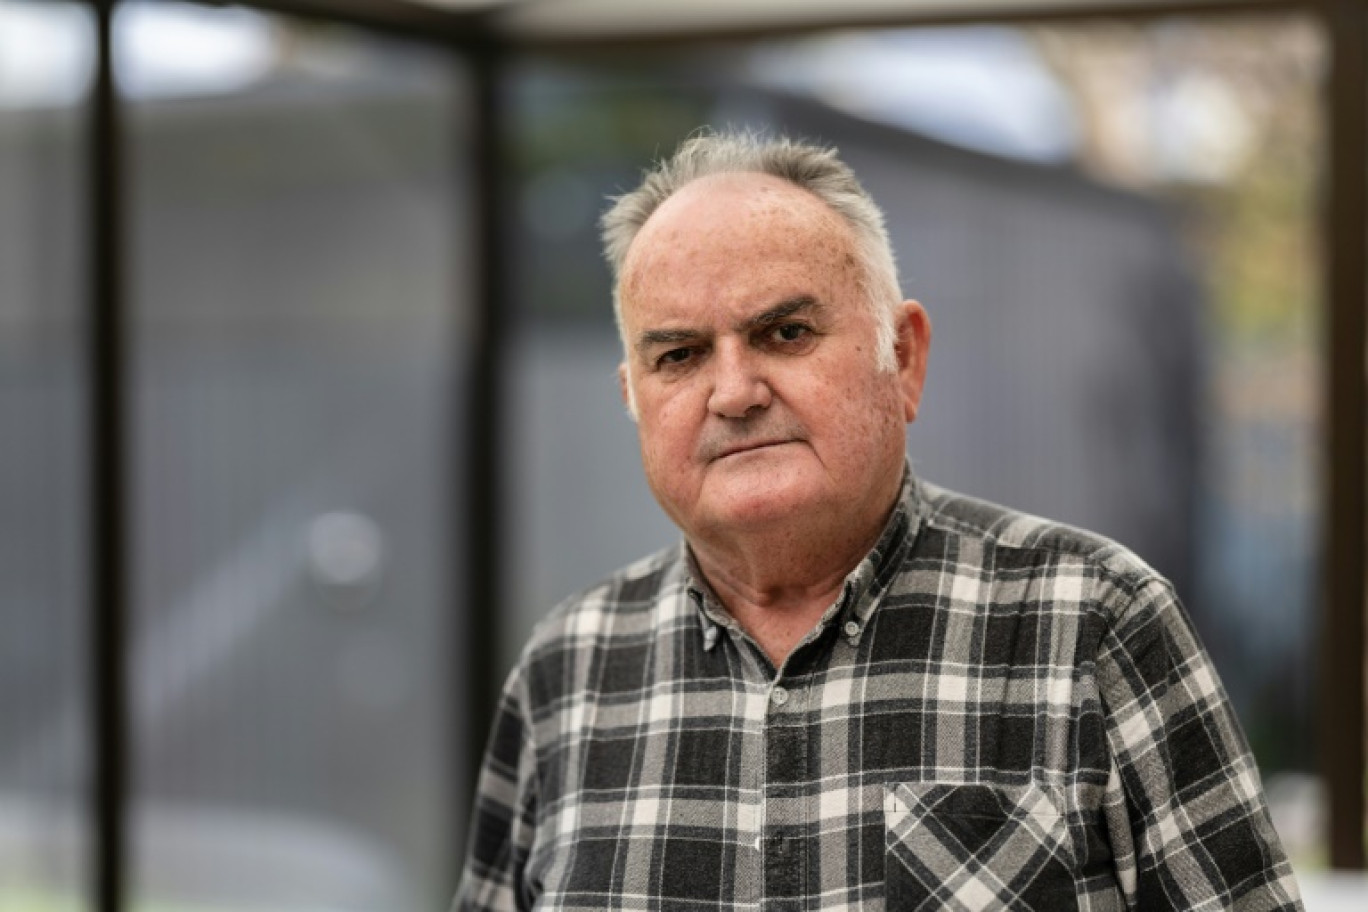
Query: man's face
751	359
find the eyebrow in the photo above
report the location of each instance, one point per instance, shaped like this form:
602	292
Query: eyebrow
654	337
779	313
801	304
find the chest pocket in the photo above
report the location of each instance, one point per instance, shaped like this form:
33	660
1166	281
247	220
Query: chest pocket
975	847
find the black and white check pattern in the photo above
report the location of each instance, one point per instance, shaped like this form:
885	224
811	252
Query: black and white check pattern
999	713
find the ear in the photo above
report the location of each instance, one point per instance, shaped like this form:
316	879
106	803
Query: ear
624	388
913	343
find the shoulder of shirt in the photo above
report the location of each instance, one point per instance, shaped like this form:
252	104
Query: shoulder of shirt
1004	528
615	604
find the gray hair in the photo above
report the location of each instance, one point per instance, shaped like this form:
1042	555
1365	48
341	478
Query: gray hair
809	167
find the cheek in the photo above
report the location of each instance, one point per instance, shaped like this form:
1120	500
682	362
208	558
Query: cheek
857	409
833	395
667	428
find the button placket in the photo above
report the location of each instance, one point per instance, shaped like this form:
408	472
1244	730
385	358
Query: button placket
782	845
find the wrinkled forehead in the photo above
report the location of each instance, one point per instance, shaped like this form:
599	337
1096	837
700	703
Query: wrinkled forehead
735	221
712	204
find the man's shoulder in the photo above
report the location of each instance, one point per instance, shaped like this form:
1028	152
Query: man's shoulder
623	604
1030	538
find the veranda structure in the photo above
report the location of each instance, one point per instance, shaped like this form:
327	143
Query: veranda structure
484	35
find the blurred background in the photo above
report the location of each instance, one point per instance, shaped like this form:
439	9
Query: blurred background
369	429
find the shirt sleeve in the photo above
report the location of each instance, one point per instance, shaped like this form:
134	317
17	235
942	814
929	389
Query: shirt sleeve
503	822
1200	834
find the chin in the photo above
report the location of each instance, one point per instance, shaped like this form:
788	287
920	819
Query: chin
755	508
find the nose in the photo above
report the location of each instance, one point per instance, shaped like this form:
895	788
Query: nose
738	386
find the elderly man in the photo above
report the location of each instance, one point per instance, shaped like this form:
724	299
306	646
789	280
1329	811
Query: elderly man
846	688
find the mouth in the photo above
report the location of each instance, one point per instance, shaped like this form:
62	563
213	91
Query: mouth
749	447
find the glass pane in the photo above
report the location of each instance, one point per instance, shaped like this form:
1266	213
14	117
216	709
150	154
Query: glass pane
46	56
298	285
1114	229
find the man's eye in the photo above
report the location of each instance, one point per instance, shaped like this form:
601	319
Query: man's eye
790	332
674	356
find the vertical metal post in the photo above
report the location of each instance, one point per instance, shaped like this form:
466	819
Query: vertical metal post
1346	503
108	479
484	434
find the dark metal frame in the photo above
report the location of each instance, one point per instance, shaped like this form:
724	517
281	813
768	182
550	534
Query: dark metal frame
478	36
108	478
110	405
484	430
1346	488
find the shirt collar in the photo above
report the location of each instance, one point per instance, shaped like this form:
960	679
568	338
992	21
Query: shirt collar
863	585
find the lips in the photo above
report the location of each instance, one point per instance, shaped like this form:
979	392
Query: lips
721	439
748	447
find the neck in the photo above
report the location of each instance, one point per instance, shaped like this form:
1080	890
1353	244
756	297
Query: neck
777	583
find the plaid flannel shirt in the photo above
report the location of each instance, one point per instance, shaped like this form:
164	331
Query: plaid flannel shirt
999	713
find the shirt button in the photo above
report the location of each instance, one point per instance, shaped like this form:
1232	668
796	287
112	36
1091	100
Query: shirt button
851	629
778	696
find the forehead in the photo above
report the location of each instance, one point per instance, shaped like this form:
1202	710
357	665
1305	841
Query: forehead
733	236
